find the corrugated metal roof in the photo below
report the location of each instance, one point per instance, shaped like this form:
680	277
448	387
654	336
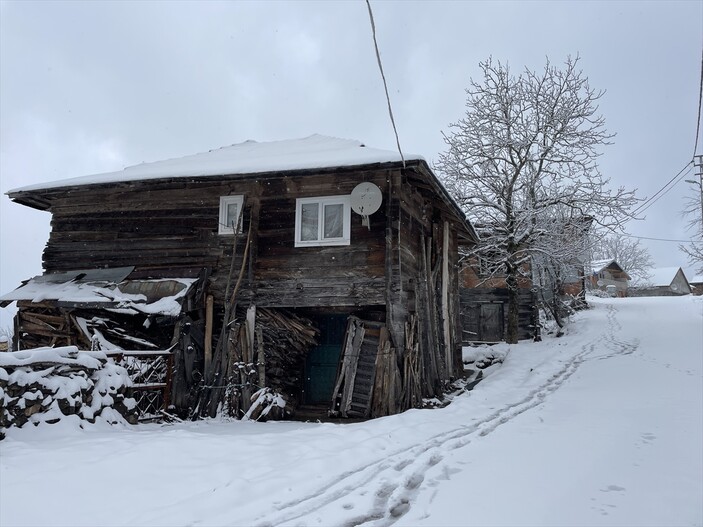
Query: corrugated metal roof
105	287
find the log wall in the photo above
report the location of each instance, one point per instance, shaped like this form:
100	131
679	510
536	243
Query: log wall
169	229
471	299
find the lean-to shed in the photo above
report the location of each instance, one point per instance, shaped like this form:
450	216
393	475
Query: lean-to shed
251	265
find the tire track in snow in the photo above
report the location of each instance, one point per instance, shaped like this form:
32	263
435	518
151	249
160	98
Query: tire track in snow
397	478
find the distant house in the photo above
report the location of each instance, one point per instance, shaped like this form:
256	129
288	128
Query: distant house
322	269
696	285
607	275
664	281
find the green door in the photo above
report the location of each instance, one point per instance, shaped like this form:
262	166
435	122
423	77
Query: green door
322	361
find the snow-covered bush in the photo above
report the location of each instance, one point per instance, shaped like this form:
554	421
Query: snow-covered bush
266	404
45	384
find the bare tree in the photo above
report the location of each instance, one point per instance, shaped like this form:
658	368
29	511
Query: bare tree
693	211
526	145
629	253
558	259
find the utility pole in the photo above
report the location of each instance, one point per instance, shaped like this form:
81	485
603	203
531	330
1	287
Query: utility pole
698	163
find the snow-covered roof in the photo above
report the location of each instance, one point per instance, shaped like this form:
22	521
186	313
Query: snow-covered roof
249	157
157	297
662	276
697	279
598	265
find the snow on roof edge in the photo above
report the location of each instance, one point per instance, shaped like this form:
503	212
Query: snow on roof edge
248	157
599	265
663	276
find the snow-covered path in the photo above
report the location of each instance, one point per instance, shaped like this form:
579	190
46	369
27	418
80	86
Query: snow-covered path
601	427
621	443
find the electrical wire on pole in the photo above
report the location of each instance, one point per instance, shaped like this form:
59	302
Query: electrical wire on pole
662	191
700	102
385	85
698	163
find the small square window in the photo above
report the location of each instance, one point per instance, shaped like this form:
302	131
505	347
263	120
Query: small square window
230	211
322	221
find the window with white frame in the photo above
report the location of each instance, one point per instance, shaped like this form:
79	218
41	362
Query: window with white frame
230	210
322	221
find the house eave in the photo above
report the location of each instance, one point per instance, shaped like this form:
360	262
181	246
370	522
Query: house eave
41	198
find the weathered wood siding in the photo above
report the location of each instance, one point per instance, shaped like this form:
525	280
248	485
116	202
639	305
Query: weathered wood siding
164	229
471	300
351	275
416	252
169	229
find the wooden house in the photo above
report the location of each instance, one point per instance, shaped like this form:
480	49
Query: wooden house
664	281
607	275
483	297
320	269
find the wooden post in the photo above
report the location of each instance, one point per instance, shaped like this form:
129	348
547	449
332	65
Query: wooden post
250	322
209	305
445	300
262	358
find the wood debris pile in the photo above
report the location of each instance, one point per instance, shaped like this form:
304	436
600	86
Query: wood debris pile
41	324
46	384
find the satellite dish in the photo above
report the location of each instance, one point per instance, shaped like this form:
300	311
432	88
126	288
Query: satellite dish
366	198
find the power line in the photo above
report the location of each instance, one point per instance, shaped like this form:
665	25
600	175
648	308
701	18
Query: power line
700	100
664	190
385	86
656	239
683	175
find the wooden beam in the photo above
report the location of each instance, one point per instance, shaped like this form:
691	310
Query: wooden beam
445	300
248	352
262	357
207	345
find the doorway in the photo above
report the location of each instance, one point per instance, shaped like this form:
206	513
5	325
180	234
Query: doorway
491	322
322	361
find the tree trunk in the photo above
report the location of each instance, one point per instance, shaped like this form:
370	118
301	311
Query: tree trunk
556	301
511	334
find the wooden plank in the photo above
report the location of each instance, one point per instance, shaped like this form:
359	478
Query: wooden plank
445	301
209	308
350	378
249	325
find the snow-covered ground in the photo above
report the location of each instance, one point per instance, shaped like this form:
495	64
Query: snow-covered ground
603	426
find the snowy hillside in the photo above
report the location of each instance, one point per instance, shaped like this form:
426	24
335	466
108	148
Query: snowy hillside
603	426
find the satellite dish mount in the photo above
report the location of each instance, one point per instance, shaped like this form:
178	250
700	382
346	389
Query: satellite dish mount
366	198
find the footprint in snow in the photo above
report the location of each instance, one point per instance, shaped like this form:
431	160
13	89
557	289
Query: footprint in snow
613	488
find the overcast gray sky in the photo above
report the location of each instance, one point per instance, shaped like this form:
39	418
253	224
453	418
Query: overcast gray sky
89	87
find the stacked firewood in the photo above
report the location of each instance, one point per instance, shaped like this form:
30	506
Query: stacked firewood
287	337
267	353
45	385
